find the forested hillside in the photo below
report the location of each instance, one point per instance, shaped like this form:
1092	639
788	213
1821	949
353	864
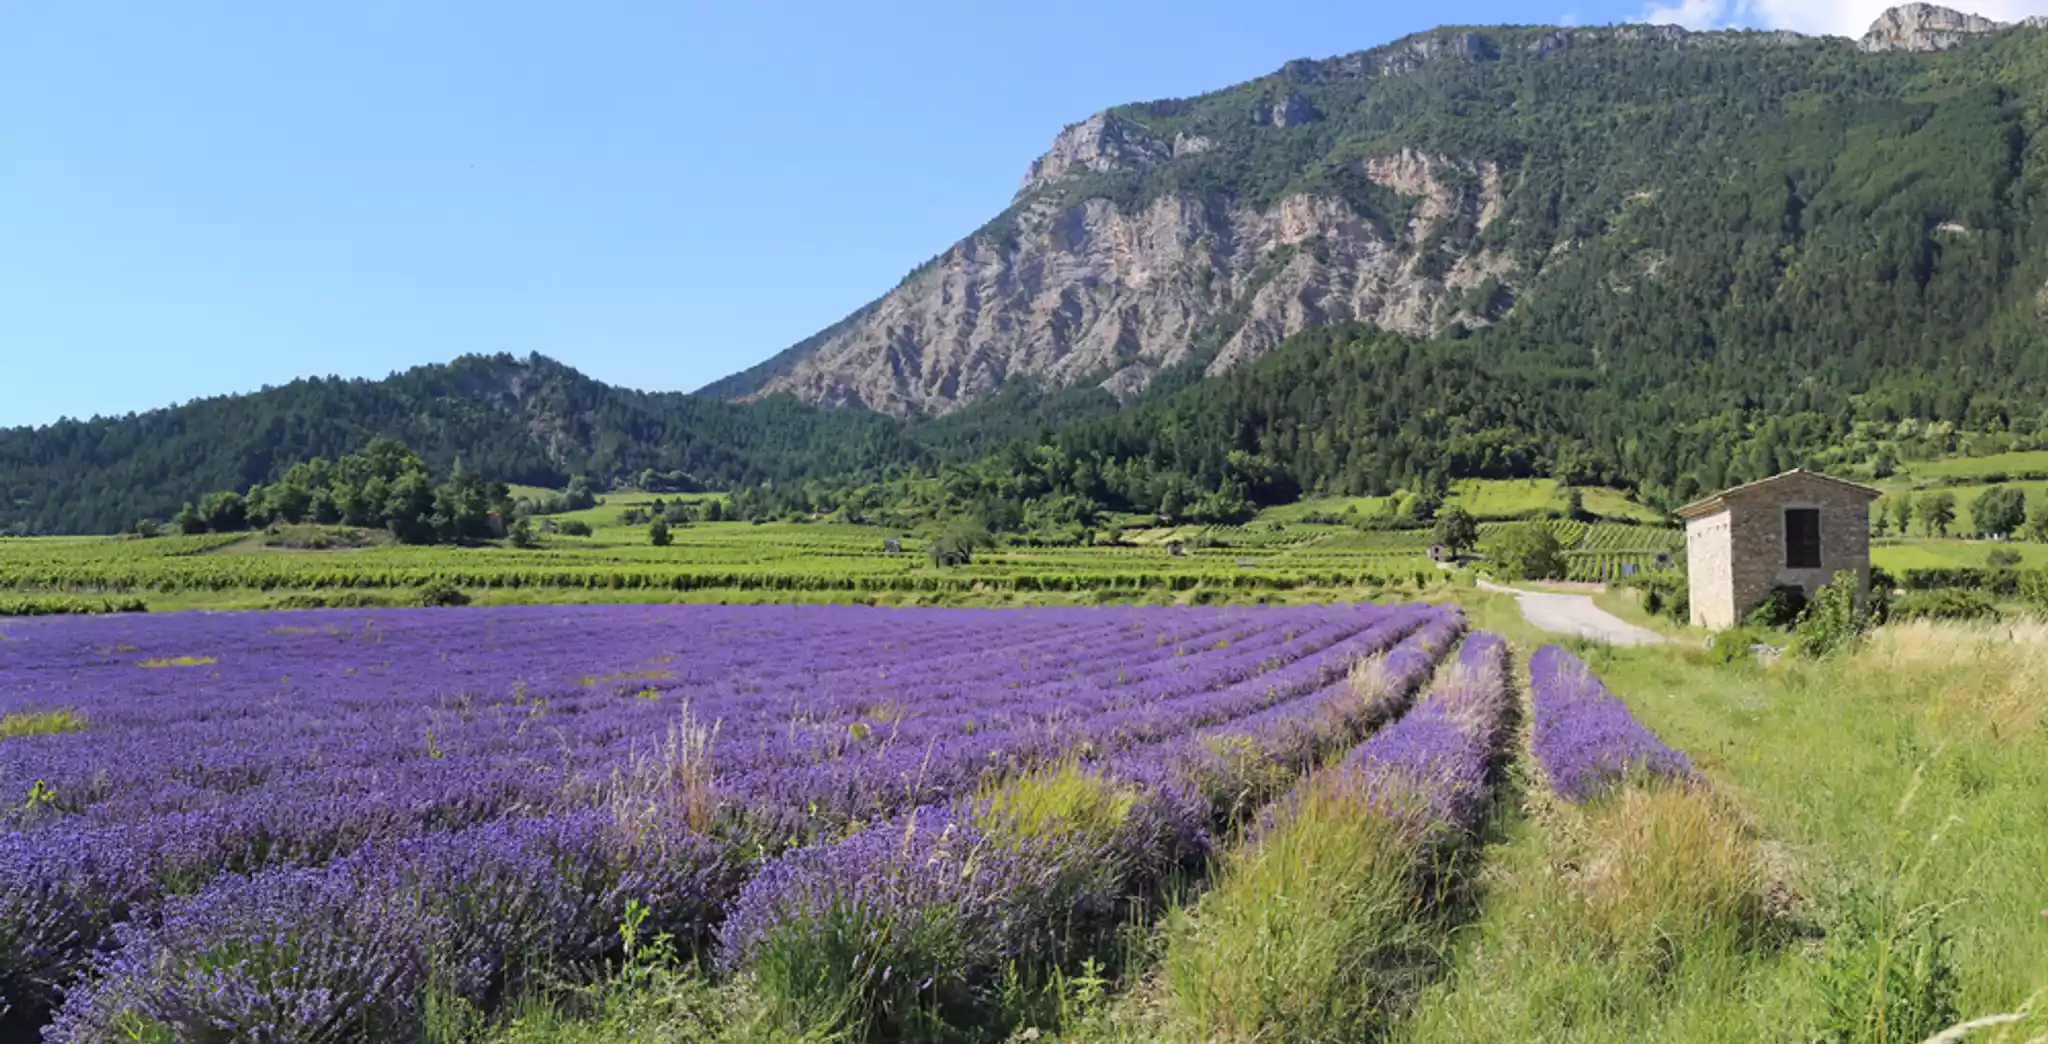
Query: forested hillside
529	421
1709	258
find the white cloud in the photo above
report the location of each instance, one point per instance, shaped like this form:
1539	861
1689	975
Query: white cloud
1837	17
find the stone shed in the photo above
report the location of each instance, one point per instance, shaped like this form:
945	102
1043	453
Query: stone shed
1797	529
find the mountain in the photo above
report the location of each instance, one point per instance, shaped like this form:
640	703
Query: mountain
1462	179
528	420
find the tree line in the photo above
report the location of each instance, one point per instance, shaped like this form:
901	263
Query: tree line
385	486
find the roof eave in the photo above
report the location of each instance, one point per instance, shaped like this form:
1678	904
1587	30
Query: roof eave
1703	508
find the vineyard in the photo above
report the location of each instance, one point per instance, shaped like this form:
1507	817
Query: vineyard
724	560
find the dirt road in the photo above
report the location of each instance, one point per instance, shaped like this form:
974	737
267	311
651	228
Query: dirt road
1576	615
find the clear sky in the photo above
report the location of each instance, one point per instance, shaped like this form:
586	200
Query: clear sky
200	197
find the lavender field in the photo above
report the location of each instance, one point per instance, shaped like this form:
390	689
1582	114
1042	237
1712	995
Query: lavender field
358	807
847	823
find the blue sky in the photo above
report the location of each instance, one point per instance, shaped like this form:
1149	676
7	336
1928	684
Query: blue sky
201	198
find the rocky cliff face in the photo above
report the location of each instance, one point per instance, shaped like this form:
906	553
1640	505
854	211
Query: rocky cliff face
1925	27
1097	291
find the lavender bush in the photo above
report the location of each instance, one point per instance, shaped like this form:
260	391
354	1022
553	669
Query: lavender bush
1433	763
1584	737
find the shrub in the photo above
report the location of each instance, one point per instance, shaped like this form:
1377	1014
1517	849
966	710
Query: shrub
1733	646
1944	604
1665	594
1528	553
2002	558
657	533
64	605
573	527
332	600
1832	620
1886	973
1780	609
440	595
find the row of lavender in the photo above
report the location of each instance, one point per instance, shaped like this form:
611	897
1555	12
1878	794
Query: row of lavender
1313	921
493	771
1584	738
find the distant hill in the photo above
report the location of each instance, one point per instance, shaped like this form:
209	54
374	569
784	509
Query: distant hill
531	421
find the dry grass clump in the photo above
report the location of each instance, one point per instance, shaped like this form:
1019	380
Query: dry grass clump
1668	866
1988	679
667	783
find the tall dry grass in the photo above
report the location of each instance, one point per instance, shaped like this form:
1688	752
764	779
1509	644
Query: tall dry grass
1978	679
1667	868
667	782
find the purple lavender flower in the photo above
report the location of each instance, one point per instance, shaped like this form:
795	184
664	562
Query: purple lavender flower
1585	738
1433	764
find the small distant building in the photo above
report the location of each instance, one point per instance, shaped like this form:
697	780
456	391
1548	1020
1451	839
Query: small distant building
1797	529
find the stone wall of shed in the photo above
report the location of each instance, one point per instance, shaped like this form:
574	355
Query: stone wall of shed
1758	540
1708	567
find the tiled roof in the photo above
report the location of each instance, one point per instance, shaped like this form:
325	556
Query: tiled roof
1719	500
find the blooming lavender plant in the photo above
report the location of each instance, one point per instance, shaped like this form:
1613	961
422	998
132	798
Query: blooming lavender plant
1584	737
1432	765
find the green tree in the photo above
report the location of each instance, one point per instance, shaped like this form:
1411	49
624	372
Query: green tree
657	532
1528	552
1575	505
1456	530
580	497
1937	512
188	520
956	546
2037	522
1999	511
1903	511
224	512
521	534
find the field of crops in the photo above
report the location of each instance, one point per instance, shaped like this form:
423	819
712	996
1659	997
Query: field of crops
330	825
913	824
512	778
